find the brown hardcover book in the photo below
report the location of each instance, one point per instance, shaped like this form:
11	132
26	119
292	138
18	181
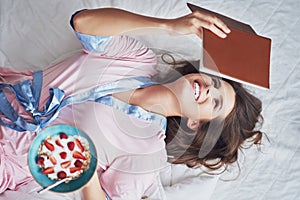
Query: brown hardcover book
242	56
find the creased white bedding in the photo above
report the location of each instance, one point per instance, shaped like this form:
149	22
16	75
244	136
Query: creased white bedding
35	33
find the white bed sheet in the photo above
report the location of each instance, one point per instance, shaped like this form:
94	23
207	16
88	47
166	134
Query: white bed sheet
35	33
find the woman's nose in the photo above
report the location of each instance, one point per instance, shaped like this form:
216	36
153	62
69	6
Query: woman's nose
206	92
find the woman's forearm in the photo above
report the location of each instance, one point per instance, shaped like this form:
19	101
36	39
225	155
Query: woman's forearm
111	21
93	190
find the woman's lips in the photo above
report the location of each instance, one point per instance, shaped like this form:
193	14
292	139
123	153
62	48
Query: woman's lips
197	90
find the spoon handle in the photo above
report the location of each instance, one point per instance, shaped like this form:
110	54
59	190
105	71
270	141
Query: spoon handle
49	187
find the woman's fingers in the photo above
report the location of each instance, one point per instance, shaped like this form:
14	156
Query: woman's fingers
220	24
196	21
211	23
213	19
215	29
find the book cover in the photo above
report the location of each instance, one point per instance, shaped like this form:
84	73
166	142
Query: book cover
243	56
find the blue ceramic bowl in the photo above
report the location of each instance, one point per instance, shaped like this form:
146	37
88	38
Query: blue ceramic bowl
43	179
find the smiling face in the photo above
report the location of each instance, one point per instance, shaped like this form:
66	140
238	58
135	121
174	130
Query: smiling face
202	97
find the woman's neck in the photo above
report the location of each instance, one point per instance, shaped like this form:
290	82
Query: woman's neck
157	99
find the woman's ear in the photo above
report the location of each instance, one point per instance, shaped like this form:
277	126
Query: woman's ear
193	124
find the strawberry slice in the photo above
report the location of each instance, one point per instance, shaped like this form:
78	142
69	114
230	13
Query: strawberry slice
58	143
48	170
78	155
49	145
78	163
80	146
74	169
62	135
63	155
40	161
61	175
71	145
53	160
66	164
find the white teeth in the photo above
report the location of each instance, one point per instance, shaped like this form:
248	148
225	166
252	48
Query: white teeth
196	90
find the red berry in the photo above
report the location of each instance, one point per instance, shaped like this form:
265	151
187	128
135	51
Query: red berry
74	169
71	145
78	155
62	135
63	155
61	175
58	143
49	145
80	146
48	170
52	159
66	164
40	161
78	163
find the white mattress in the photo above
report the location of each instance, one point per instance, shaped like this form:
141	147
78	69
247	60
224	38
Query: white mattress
35	33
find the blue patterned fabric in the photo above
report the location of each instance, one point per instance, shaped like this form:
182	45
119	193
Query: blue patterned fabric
28	95
94	44
134	111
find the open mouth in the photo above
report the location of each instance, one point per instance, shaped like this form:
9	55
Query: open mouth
197	90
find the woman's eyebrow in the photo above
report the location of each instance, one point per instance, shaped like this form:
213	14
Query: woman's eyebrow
219	82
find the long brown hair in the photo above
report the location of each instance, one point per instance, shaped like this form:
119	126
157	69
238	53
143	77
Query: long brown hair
216	143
